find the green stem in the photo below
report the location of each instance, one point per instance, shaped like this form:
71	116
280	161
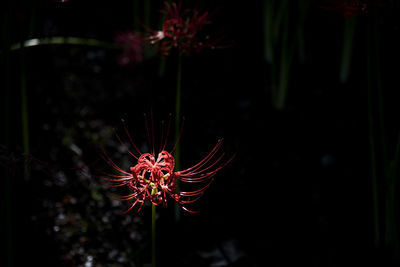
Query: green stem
24	110
268	6
153	235
348	37
276	25
285	62
303	10
178	101
178	106
148	50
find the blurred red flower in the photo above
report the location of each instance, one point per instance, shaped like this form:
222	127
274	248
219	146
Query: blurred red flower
352	8
153	178
132	45
182	31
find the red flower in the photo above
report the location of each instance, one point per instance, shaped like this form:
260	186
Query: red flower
182	32
153	178
352	8
132	44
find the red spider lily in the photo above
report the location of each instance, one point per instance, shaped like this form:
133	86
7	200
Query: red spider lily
352	8
183	32
153	178
132	44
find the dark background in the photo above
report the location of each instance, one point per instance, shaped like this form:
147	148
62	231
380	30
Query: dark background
299	190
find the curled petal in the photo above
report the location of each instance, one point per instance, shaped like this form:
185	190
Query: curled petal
153	178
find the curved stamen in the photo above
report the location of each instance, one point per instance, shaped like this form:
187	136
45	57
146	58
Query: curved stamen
153	178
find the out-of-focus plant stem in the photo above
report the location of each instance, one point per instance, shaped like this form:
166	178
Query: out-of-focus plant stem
178	105
64	41
268	30
279	46
24	110
273	20
348	38
24	91
153	235
24	103
149	51
384	171
391	238
178	100
281	88
303	10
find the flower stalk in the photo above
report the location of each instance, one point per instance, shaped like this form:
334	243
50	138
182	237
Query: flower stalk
24	107
178	101
383	170
348	39
279	46
153	235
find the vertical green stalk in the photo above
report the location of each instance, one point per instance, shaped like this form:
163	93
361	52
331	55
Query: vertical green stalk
348	37
285	62
385	221
375	200
178	106
268	6
153	235
303	10
24	91
391	238
178	101
24	109
148	51
276	38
